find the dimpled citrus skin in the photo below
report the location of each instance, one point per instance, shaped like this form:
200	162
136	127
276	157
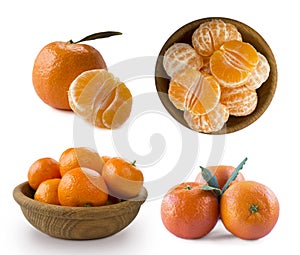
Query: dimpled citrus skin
57	65
189	212
249	210
179	57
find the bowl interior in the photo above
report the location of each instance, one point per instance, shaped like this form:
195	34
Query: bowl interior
265	92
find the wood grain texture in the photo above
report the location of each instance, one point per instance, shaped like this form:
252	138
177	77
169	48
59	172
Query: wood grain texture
265	92
77	223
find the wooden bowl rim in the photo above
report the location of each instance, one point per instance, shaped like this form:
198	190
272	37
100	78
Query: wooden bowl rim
69	212
239	122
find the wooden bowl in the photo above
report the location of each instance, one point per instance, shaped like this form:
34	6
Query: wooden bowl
77	223
265	92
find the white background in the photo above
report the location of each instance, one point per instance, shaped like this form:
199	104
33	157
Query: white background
30	129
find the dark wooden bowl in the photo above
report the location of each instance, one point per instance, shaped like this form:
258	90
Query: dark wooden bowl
77	223
265	92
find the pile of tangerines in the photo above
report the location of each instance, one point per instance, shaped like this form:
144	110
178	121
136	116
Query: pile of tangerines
73	76
248	209
82	178
215	77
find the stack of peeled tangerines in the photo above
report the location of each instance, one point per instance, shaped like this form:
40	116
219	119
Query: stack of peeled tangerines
248	209
82	178
215	77
73	76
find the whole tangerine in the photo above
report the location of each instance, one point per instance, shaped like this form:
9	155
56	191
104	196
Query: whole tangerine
124	179
80	157
249	210
42	170
47	192
82	187
189	212
57	65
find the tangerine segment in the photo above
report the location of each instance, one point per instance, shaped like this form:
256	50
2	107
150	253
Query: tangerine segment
232	63
210	122
240	101
181	56
119	109
195	92
210	36
260	74
96	95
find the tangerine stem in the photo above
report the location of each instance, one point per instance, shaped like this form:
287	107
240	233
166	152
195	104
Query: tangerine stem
253	209
133	163
188	187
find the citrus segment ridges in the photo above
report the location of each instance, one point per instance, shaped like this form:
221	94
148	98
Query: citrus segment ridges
179	57
195	92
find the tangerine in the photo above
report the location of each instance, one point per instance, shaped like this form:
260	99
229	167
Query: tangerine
187	211
249	210
210	122
100	98
42	170
194	91
82	187
222	173
57	65
211	35
47	191
232	64
260	74
240	101
179	57
80	157
123	179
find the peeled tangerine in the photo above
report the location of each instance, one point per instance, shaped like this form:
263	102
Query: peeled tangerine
210	36
194	91
232	64
181	56
210	122
240	101
260	74
100	98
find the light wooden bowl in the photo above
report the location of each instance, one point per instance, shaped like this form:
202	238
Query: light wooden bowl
77	223
265	92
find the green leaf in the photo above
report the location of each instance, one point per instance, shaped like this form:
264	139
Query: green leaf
234	175
97	36
209	177
216	190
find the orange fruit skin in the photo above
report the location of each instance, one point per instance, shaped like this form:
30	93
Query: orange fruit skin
189	213
57	65
123	179
235	209
80	157
222	173
42	170
47	192
82	187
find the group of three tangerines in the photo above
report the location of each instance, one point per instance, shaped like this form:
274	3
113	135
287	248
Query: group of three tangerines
68	75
